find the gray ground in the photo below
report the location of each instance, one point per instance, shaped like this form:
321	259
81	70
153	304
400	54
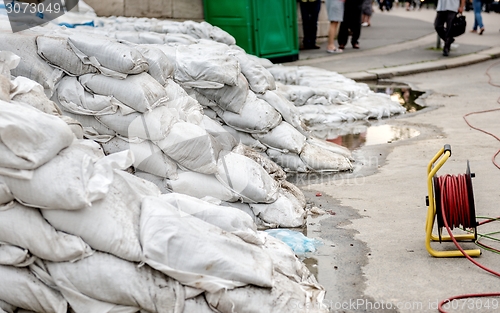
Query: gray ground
374	254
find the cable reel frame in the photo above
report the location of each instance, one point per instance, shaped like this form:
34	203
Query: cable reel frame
434	208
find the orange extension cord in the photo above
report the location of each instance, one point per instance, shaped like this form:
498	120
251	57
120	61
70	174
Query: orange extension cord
454	207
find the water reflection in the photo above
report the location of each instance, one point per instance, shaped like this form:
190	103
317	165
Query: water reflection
403	94
312	266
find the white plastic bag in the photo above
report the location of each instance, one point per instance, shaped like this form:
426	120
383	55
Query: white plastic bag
25	227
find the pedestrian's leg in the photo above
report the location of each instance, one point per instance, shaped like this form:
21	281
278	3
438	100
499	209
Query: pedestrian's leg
477	5
439	24
355	27
306	23
448	16
343	34
332	33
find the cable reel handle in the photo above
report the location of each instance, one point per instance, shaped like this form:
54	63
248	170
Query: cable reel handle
447	147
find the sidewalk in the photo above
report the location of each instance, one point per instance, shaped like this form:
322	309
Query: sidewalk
403	42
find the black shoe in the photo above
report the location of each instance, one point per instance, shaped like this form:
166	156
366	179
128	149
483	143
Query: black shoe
446	51
313	47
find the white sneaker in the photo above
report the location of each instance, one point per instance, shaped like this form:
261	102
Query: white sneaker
364	24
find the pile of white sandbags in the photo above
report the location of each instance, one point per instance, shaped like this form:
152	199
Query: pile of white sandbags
78	232
326	98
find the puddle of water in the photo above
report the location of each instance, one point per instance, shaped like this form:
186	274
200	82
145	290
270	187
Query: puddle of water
363	133
375	135
401	93
312	266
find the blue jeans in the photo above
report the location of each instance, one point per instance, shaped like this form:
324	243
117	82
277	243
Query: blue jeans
477	5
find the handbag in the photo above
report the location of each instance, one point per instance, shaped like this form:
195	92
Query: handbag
458	26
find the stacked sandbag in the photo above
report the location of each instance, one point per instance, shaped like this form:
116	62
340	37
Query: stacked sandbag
113	243
323	97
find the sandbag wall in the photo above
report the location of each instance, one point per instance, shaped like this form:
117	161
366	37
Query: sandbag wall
82	234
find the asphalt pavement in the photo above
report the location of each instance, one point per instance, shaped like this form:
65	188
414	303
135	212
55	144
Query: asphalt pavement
401	42
373	258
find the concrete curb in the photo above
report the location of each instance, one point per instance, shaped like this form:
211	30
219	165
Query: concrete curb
409	69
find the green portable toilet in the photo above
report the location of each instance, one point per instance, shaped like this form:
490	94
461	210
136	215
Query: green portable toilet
265	28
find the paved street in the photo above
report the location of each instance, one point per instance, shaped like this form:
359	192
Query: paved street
374	257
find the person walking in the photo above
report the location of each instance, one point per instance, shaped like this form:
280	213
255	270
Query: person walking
335	11
367	13
351	22
446	11
477	5
309	11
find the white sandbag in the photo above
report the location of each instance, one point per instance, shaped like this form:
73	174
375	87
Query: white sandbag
245	138
25	227
9	308
219	133
22	289
160	67
5	87
148	157
31	64
272	168
245	207
230	98
151	125
206	65
286	108
330	146
201	185
15	256
284	297
257	116
75	126
295	191
259	78
91	125
141	92
319	159
283	137
104	52
189	109
79	175
290	162
198	305
227	261
57	52
191	147
30	138
313	95
107	278
202	99
246	178
5	194
233	221
75	99
286	211
30	92
160	182
112	223
140	37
